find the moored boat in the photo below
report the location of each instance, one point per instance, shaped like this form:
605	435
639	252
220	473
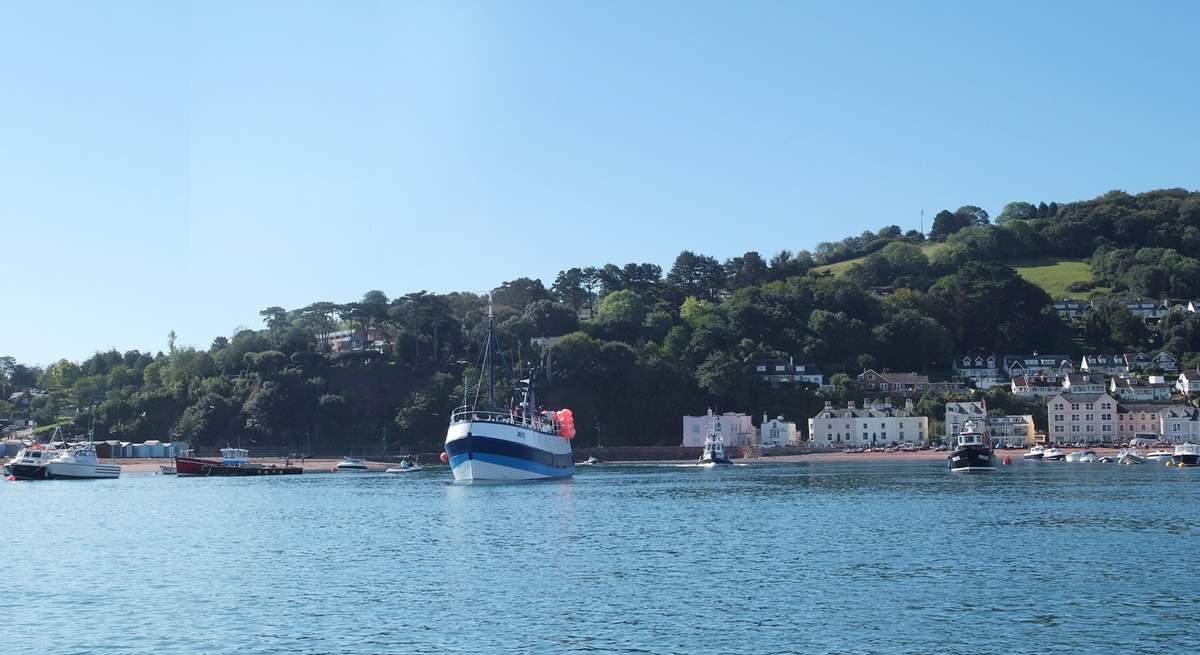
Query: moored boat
1130	456
30	462
1035	454
350	465
79	462
1053	455
714	446
973	451
1088	457
488	442
1186	454
234	462
405	465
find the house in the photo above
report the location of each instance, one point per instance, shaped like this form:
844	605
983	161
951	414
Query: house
1139	420
1053	366
1147	309
1134	388
1188	382
735	429
776	432
1180	423
878	423
776	371
1083	383
1072	310
1090	418
959	413
1030	386
24	399
1104	364
1163	361
1014	429
982	369
370	338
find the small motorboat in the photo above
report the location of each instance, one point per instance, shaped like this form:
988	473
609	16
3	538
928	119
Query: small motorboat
405	465
1078	455
591	461
233	462
1186	454
30	462
350	465
1088	457
1160	455
1130	456
1053	455
1106	460
79	462
167	469
1035	454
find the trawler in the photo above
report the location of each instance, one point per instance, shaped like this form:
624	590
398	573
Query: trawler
714	447
490	442
973	451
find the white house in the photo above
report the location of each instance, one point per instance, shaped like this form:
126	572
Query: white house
1070	310
959	413
1146	308
982	369
1162	360
1180	423
1083	383
1188	382
787	370
735	429
1082	417
777	433
1015	429
1029	386
1104	364
1052	366
1131	388
875	424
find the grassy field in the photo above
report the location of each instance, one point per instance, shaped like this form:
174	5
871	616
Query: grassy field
1054	274
841	267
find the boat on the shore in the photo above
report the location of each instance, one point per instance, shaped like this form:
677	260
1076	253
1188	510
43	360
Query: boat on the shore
405	465
1186	454
350	465
973	451
490	442
1088	457
234	462
30	462
79	462
714	447
1053	455
1130	456
1035	454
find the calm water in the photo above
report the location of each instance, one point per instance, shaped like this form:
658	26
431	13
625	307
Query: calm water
773	558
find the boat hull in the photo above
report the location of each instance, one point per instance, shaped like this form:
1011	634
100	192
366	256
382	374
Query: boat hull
27	471
73	471
193	467
1034	458
972	459
1186	460
490	451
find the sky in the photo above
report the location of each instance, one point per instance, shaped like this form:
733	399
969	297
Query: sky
176	166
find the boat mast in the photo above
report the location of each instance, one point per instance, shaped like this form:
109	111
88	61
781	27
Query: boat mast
487	353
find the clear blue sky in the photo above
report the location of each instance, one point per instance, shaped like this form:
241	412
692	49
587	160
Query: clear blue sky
165	166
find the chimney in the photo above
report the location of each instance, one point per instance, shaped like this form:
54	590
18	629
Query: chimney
908	403
828	404
850	405
764	418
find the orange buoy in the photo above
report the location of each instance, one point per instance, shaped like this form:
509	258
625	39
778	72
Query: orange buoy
12	478
445	458
1007	461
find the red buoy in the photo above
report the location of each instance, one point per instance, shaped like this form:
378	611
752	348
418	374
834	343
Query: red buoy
12	478
445	458
1007	461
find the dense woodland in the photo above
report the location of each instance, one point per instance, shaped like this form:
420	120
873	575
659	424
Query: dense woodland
657	344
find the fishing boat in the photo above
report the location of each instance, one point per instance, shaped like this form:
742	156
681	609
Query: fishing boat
79	462
350	465
405	465
1130	456
973	451
487	441
714	447
1035	454
1053	455
1186	454
30	462
234	462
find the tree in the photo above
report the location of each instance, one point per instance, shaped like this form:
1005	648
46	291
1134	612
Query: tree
619	315
570	288
275	317
945	224
696	275
748	270
972	215
1016	211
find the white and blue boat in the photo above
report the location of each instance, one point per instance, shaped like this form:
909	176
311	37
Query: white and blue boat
488	442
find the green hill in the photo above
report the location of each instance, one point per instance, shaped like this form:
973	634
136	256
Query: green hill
1054	274
839	268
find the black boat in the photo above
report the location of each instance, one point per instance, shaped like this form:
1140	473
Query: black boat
30	462
973	452
1186	455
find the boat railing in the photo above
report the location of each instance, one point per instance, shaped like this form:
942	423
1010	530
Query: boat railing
464	414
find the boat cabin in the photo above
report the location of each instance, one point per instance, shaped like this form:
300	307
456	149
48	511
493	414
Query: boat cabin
970	437
234	456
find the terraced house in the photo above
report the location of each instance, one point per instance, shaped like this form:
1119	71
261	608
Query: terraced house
874	424
1082	417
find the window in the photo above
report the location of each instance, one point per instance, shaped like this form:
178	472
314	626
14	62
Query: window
1058	405
1089	417
1058	428
1074	417
1089	406
1074	428
1075	406
762	369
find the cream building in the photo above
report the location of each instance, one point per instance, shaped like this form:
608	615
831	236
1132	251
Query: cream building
1089	418
877	423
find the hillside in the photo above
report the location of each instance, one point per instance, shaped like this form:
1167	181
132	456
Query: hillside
838	268
1055	274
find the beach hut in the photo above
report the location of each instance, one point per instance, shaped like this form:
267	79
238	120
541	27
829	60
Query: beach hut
154	448
104	449
140	450
126	449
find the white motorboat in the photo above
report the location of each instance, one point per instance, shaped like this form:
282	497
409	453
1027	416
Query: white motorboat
1160	455
1186	454
1053	455
167	469
714	447
1035	454
591	461
1130	456
79	462
404	466
1078	455
1088	457
350	465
